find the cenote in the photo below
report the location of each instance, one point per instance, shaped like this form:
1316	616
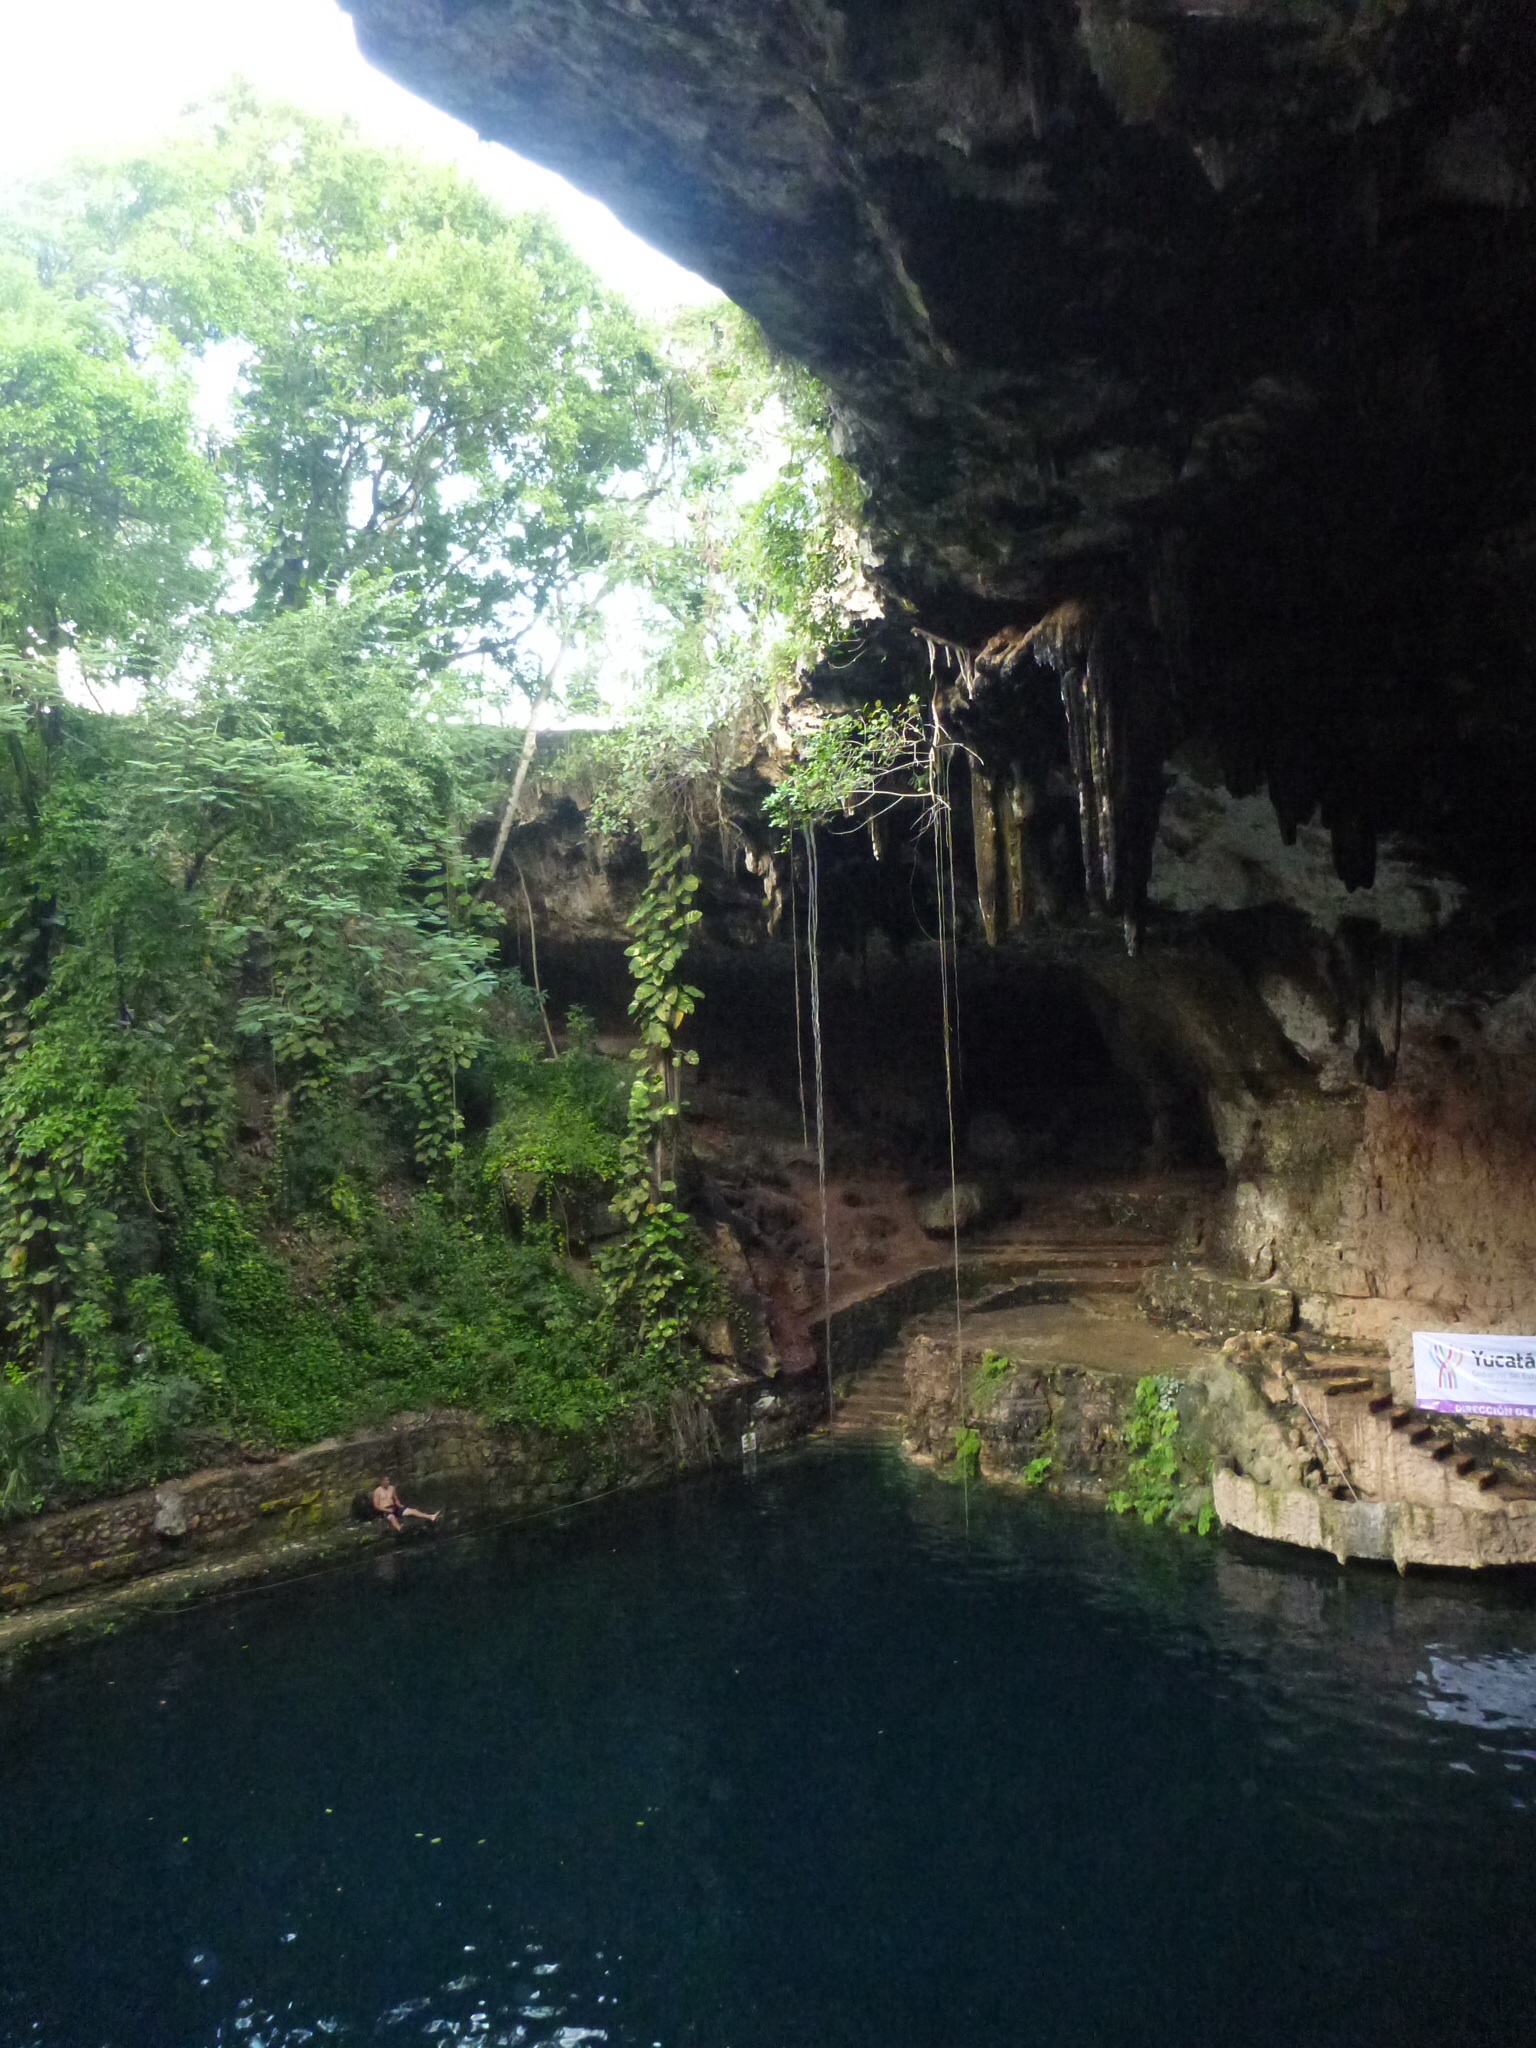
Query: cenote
826	1753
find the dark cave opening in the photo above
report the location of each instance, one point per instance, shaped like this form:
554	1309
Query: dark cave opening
1051	1083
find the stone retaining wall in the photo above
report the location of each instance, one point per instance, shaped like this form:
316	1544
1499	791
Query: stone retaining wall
434	1459
1391	1531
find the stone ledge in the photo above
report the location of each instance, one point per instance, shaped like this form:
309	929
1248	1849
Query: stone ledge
307	1496
1193	1298
1391	1532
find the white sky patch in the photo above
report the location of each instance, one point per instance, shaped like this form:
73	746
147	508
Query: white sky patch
94	77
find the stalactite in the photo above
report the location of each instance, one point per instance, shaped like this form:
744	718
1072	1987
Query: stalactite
984	841
1016	809
1112	703
1354	846
765	867
1091	751
1295	785
1372	962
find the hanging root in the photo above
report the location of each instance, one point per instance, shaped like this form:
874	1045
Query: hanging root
814	947
942	815
794	941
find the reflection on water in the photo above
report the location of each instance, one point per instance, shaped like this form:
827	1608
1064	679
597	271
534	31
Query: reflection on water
813	1757
1482	1692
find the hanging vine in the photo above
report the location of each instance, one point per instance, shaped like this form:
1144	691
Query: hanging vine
653	1277
814	935
859	765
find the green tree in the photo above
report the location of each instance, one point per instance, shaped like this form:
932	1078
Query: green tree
751	573
109	514
248	982
423	388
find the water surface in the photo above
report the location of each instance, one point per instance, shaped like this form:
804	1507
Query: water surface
796	1760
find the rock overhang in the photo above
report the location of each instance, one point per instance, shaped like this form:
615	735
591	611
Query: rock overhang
1211	316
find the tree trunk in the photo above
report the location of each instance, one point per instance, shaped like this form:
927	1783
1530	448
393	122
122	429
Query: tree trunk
524	763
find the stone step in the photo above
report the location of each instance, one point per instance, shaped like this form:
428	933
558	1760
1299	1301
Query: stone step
1095	1281
875	1403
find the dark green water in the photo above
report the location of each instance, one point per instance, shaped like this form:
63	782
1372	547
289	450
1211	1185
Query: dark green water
792	1761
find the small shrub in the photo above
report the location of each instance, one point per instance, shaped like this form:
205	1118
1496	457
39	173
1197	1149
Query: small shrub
28	1418
556	1147
1154	1479
129	1435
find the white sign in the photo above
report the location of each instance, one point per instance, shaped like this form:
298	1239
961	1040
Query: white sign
1459	1374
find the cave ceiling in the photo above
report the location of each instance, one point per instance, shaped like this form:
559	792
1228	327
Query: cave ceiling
1204	326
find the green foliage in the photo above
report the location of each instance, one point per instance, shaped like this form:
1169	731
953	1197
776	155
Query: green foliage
852	758
414	1309
556	1151
1037	1471
653	1276
748	564
28	1416
276	1157
429	390
104	496
192	902
993	1369
1155	1480
129	1435
967	1452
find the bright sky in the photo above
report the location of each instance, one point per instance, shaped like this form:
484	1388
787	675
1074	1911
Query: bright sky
93	76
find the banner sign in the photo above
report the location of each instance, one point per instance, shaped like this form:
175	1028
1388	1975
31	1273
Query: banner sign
1458	1374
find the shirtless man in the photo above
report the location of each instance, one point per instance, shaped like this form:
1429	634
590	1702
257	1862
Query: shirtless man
387	1502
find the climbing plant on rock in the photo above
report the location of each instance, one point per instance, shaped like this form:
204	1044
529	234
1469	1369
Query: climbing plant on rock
1157	1476
653	1276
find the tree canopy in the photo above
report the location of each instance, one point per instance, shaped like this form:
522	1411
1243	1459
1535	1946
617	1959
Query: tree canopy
334	463
110	516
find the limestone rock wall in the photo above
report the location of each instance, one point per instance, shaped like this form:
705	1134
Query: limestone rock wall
1185	351
1404	1206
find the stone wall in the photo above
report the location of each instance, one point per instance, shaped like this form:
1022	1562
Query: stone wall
453	1459
1073	1416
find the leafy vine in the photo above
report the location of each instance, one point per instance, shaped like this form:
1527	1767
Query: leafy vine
653	1277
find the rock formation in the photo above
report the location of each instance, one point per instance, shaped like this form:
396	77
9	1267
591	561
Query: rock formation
1184	346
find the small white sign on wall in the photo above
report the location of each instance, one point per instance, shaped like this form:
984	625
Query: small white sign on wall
1456	1373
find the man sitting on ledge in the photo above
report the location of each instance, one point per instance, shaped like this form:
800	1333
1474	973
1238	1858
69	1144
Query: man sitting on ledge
387	1502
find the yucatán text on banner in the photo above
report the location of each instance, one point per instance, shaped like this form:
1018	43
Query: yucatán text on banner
1459	1374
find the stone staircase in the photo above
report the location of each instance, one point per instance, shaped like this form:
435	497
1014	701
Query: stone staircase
1383	1479
997	1271
875	1403
1392	1452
